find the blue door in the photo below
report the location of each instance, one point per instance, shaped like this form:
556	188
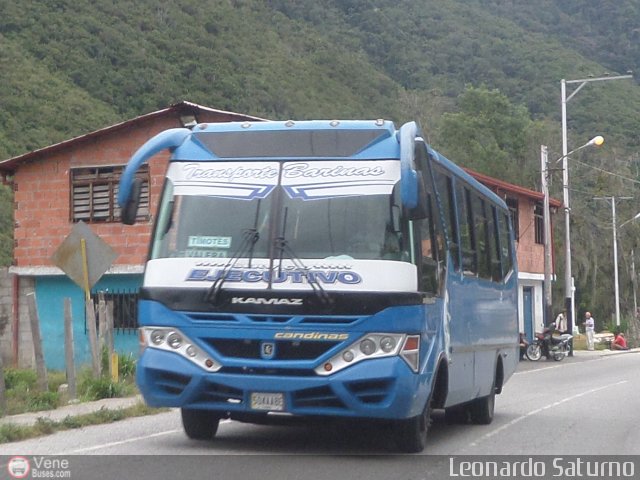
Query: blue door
527	310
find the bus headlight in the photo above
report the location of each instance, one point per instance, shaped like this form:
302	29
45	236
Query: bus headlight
157	337
375	345
367	346
388	344
173	340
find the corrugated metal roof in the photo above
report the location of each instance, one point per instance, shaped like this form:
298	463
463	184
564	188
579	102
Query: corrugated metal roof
184	107
510	187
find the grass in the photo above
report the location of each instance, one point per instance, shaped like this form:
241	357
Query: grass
10	432
22	394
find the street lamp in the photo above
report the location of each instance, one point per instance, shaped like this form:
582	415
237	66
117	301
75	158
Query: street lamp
568	287
595	141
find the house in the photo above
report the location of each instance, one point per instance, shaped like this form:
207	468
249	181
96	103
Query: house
77	180
526	208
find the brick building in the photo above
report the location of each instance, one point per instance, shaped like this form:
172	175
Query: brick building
526	207
76	180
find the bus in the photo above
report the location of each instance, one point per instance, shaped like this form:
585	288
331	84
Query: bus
322	269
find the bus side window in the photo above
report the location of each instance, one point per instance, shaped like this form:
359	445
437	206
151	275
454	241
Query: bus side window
430	244
444	185
431	241
483	236
467	234
494	245
505	243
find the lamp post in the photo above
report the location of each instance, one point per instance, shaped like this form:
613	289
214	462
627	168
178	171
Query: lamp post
544	169
568	287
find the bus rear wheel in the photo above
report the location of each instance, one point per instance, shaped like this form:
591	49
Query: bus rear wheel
411	433
481	409
200	424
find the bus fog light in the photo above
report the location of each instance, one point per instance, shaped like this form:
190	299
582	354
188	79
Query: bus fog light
191	351
174	340
348	356
368	346
387	344
157	337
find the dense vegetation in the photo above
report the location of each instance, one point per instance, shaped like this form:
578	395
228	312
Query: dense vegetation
481	76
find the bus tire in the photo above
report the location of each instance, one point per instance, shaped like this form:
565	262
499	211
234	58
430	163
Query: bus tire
200	424
411	433
481	409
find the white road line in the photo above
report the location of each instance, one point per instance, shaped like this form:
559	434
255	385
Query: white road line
122	442
541	409
544	368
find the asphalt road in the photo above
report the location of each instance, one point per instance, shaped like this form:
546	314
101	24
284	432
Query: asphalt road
580	406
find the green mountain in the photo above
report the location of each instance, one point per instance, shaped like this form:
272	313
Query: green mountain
481	76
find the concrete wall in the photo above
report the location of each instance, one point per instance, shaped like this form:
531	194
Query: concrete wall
50	293
24	345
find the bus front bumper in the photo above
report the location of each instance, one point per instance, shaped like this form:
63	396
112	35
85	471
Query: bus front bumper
383	388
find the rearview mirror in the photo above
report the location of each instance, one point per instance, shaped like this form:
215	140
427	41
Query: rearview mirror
129	212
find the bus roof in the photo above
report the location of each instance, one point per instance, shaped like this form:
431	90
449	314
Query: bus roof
354	139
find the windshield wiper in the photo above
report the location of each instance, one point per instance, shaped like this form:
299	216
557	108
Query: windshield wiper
282	245
250	237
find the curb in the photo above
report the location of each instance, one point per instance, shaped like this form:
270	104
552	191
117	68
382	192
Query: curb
604	353
73	410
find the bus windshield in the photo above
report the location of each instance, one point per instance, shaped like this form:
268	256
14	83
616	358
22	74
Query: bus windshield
313	221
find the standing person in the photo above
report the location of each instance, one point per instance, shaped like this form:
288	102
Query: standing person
561	321
589	328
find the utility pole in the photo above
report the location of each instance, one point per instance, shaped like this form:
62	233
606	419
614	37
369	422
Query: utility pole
564	99
615	250
544	168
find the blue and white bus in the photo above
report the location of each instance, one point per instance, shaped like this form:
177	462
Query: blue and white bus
322	269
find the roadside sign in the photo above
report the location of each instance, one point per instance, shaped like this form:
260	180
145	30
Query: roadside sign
69	255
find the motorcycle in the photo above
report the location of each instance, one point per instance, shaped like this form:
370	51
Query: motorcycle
552	347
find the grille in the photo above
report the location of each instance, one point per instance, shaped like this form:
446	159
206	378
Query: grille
262	319
322	397
371	391
216	393
170	383
281	372
285	349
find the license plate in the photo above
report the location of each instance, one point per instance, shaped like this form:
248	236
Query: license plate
267	401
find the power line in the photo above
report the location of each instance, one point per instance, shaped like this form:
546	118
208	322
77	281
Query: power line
606	171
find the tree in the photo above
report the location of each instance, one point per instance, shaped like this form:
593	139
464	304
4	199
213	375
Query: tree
493	136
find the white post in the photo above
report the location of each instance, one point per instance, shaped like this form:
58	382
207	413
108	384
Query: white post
568	286
548	306
615	259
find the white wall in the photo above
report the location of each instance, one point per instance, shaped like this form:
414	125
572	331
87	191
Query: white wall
536	281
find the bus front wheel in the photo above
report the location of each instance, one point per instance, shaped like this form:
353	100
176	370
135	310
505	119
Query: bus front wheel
411	433
200	424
